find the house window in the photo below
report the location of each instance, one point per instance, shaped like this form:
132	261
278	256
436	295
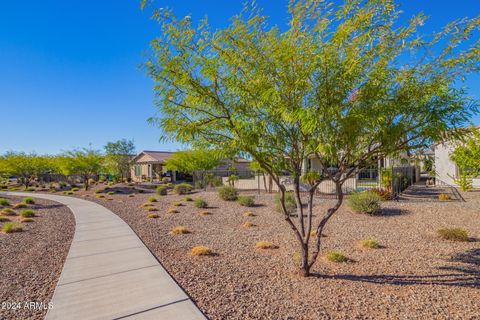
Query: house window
138	170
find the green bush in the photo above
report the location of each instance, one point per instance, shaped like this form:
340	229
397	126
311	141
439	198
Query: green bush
246	201
4	219
453	234
28	200
183	188
383	193
10	227
4	202
200	203
228	193
7	212
364	202
162	190
27	213
290	203
335	256
188	198
370	243
152	199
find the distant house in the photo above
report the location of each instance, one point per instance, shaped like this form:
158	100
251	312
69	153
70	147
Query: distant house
446	171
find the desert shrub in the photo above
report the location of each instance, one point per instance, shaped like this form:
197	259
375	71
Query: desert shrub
27	213
100	196
4	219
364	202
200	203
152	199
246	201
28	200
182	188
110	193
7	212
201	251
179	230
465	181
4	202
30	189
228	193
110	183
265	245
386	179
151	209
384	194
172	210
248	224
248	214
9	227
444	197
19	206
370	243
453	234
178	204
26	220
75	189
188	198
335	256
152	216
162	190
290	203
205	213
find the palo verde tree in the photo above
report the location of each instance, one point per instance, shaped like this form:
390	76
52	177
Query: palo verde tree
117	157
86	163
26	167
345	83
193	160
467	158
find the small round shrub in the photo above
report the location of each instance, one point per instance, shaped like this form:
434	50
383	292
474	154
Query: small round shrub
27	213
162	190
152	216
111	193
151	209
100	196
384	194
248	224
4	219
248	214
7	212
200	203
290	203
10	227
453	234
188	198
265	245
28	200
179	230
19	206
228	193
335	256
444	197
27	220
166	180
171	210
30	189
4	202
178	204
75	189
364	202
182	188
246	201
201	251
370	244
152	199
205	213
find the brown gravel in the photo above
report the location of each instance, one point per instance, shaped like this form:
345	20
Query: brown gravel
31	261
415	276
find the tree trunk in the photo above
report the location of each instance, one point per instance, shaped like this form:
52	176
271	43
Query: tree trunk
85	181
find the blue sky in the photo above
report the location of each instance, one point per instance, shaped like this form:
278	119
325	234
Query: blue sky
69	70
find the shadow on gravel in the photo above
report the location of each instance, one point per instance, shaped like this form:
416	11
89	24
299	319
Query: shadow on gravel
49	206
465	275
392	212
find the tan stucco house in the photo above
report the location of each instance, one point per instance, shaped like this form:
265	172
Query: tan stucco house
149	166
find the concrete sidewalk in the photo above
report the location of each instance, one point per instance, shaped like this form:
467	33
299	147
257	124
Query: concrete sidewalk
110	274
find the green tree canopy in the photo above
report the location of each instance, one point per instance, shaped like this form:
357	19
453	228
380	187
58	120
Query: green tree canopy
467	153
193	160
26	167
86	163
118	155
346	83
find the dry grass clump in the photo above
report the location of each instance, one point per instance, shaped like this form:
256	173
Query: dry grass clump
151	209
27	213
200	203
28	200
152	216
4	219
249	214
453	234
444	197
110	199
265	245
177	204
248	224
179	230
100	196
152	199
370	243
172	210
147	204
10	227
205	213
335	256
19	206
201	251
188	198
26	220
7	212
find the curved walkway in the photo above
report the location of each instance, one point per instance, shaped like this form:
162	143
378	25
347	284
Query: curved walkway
110	274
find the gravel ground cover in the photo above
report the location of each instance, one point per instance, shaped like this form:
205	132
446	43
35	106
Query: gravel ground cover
31	261
415	275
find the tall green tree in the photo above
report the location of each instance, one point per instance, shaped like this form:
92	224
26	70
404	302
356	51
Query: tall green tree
467	158
118	155
86	163
346	83
26	167
193	160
